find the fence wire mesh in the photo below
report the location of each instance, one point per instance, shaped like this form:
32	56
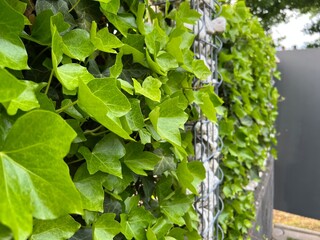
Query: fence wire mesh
207	144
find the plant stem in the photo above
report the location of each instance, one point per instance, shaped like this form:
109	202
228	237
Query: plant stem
96	134
66	107
93	130
74	6
75	161
49	82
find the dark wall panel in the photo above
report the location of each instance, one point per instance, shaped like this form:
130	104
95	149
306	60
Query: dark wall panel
297	172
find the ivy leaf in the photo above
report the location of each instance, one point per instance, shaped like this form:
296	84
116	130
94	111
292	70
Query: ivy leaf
90	188
134	223
166	163
86	11
190	175
150	88
166	61
176	207
134	117
40	32
106	227
77	44
116	69
138	160
10	87
26	101
105	155
185	14
103	40
200	69
5	233
56	6
102	99
12	51
122	21
161	227
61	228
34	179
71	73
157	39
208	101
167	118
110	6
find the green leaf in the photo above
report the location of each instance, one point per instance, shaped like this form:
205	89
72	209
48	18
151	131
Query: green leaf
116	69
134	224
166	163
10	87
110	6
166	61
56	46
26	101
157	39
138	160
122	21
71	73
56	6
150	88
176	207
34	179
40	32
208	101
71	110
105	155
200	69
103	40
167	118
190	175
102	99
106	227
77	44
134	117
61	228
161	227
5	233
185	14
90	188
12	51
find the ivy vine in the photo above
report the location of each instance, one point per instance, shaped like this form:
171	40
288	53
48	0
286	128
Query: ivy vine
94	98
246	63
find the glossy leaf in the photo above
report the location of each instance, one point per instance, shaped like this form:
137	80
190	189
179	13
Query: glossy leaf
77	44
26	101
106	227
105	155
103	40
71	73
150	88
102	106
134	117
35	180
61	228
12	51
167	118
90	188
138	160
10	87
176	207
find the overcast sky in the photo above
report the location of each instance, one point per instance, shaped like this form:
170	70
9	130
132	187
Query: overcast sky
293	31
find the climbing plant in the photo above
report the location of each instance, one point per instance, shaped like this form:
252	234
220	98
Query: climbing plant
94	98
246	63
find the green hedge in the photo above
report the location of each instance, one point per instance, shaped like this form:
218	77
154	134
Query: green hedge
246	64
94	98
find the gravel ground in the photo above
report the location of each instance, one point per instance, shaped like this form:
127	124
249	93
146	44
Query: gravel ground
295	220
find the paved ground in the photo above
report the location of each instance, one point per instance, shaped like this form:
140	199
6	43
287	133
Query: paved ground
283	232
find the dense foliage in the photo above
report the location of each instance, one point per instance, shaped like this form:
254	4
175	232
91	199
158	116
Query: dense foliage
246	64
94	98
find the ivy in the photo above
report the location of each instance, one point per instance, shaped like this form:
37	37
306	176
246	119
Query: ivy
246	64
94	98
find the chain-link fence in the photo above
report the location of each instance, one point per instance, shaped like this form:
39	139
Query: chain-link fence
207	144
